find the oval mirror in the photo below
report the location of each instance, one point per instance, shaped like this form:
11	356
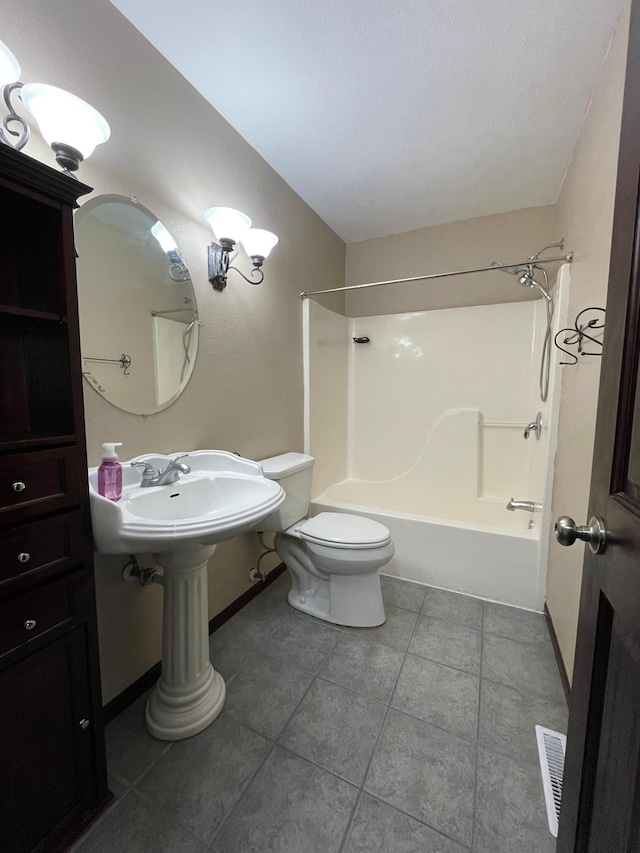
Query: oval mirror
138	312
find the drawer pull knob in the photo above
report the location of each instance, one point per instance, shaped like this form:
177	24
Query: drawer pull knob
19	486
30	624
23	557
84	724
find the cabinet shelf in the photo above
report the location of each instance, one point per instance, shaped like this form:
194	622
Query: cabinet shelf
16	440
29	313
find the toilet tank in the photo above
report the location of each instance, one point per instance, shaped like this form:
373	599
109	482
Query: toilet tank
293	471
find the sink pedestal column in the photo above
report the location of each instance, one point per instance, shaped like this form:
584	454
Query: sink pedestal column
190	693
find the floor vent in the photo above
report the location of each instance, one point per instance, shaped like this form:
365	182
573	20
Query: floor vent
551	749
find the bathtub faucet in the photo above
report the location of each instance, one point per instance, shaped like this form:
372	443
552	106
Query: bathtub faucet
529	506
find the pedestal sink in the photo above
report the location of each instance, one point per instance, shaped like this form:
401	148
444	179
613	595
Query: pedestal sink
180	524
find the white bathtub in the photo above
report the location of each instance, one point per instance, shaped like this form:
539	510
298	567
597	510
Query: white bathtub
498	559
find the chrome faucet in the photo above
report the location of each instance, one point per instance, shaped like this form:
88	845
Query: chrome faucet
529	506
151	477
534	427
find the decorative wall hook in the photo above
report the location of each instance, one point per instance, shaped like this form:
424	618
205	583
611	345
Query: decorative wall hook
576	336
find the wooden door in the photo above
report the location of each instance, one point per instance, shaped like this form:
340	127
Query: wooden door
46	761
601	799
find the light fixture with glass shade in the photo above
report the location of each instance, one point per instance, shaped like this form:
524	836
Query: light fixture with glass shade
258	243
70	126
231	227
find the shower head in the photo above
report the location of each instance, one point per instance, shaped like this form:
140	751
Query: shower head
525	276
523	273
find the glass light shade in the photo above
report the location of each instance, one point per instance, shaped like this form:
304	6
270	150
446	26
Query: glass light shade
167	243
227	223
64	118
256	241
9	67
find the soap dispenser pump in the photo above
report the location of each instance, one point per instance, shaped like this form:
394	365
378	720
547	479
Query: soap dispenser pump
110	472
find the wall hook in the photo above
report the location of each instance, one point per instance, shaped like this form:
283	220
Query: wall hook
576	335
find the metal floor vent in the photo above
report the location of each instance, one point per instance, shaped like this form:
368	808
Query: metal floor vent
551	749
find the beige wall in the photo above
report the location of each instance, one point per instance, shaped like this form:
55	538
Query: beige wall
178	156
468	244
585	210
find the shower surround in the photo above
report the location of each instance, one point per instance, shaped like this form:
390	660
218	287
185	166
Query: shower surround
422	430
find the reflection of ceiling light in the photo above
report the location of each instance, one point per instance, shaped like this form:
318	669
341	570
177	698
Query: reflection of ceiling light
69	125
178	270
231	227
167	243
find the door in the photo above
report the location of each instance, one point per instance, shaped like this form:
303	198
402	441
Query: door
45	742
601	798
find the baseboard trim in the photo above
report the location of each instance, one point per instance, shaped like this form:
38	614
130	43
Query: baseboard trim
129	695
556	648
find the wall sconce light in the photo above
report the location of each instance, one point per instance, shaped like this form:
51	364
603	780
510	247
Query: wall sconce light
177	270
232	227
70	126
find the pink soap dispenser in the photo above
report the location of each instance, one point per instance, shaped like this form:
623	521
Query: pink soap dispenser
110	472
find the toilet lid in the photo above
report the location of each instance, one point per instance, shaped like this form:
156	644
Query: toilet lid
340	530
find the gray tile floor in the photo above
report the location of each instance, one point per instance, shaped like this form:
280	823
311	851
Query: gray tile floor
415	737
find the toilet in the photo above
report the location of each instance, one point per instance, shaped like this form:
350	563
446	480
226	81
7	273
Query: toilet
333	558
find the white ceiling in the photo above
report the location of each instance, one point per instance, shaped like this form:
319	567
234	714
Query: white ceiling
391	115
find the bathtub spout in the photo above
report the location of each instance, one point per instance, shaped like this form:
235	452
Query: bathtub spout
529	506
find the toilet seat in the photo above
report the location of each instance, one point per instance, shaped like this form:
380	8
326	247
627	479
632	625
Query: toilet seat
343	531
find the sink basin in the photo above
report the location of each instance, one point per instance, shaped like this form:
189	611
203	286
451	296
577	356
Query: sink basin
180	524
223	496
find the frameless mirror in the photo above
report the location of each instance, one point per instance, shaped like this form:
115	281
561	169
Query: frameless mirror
138	312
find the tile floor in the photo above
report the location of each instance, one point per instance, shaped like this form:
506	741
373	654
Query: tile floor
415	737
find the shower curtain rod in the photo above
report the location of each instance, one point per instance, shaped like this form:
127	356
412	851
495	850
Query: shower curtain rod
568	258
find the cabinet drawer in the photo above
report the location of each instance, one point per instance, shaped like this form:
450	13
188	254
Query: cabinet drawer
38	482
37	550
32	614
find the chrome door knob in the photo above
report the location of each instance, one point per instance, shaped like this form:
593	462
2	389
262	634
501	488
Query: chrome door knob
567	531
19	486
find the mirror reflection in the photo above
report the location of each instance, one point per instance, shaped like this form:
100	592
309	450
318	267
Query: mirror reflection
138	312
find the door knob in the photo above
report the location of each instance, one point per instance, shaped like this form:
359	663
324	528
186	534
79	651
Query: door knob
567	531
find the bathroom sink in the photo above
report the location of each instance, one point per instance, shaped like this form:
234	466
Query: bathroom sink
180	523
223	496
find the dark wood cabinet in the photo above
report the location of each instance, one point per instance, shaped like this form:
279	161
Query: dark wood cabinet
52	759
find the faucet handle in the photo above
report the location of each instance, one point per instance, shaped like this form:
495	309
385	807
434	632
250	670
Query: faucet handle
178	466
149	471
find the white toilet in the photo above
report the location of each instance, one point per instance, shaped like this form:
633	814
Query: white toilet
333	558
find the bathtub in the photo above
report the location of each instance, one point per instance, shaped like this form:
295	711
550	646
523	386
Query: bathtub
422	431
496	556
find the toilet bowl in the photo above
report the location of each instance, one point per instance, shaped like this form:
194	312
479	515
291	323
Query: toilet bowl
333	558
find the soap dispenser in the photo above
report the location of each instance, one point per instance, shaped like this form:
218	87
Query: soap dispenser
110	472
